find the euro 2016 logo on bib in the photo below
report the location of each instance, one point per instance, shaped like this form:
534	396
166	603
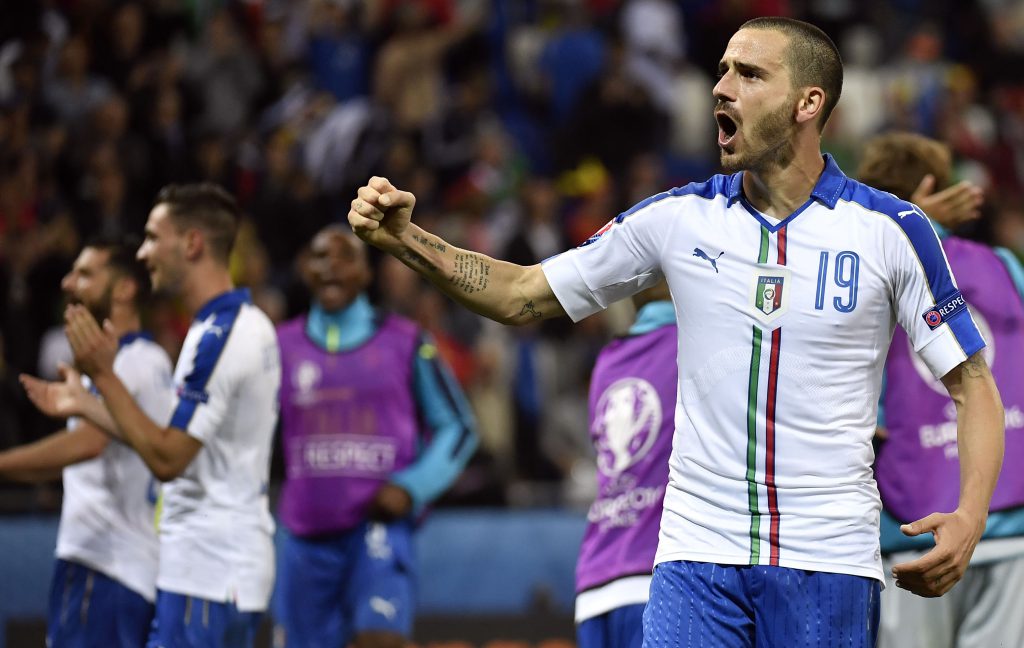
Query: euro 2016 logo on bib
769	294
626	424
305	378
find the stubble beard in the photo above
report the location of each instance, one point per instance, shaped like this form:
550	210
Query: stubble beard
776	130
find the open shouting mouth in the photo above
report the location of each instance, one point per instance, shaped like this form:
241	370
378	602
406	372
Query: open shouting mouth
727	128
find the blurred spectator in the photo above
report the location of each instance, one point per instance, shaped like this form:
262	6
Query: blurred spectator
862	111
917	82
121	53
655	42
73	91
339	48
612	120
167	140
408	79
571	58
106	208
286	209
226	74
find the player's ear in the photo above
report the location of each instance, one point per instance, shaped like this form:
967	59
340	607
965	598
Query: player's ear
809	107
195	243
124	289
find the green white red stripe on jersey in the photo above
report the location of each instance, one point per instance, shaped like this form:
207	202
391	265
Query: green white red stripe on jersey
762	399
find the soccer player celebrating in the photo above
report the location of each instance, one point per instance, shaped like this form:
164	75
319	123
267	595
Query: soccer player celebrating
104	583
787	278
216	551
374	428
632	397
918	463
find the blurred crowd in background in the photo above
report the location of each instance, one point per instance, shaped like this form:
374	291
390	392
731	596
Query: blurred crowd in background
522	126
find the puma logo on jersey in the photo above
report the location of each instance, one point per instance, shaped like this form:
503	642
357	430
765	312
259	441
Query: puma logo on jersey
384	607
697	252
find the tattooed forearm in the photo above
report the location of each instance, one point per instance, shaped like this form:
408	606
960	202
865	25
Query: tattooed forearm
472	272
418	259
437	245
529	309
975	366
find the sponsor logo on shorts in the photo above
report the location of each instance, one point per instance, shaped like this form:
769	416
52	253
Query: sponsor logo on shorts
384	607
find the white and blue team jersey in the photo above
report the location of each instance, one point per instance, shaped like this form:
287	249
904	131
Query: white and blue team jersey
216	529
783	332
107	517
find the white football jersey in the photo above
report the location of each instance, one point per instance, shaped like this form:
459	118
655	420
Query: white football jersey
216	530
107	517
783	332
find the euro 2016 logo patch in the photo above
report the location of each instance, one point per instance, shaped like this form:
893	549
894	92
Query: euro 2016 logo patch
769	292
626	423
944	310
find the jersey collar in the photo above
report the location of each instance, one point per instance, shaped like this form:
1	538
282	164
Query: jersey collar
224	301
131	336
826	191
341	330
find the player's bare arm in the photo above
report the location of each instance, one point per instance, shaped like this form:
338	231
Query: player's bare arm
166	451
980	427
44	459
508	293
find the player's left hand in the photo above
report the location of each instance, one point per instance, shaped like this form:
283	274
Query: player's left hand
390	503
936	572
94	347
57	399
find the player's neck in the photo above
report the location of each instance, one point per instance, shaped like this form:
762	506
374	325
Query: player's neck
778	191
125	320
203	284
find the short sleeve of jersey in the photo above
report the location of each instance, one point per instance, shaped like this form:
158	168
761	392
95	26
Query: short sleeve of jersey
619	260
205	395
929	306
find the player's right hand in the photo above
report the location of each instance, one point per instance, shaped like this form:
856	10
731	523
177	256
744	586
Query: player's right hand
935	573
380	213
56	399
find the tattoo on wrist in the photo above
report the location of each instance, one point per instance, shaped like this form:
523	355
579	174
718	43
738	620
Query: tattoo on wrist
529	309
437	245
472	273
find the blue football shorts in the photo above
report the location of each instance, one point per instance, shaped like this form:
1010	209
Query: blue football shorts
90	610
190	622
695	605
618	628
331	588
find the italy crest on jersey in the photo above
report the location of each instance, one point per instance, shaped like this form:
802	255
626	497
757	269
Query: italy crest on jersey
768	295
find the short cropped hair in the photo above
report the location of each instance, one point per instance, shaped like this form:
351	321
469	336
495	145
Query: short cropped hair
813	58
206	206
897	162
121	260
